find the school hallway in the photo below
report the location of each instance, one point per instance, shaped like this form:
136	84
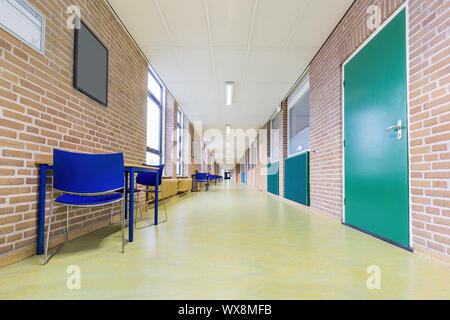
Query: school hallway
231	242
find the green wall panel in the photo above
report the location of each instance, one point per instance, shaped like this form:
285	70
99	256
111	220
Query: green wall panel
273	174
296	178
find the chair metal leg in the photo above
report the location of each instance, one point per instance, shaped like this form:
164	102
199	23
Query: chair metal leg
123	225
49	228
165	211
138	210
112	214
164	203
67	223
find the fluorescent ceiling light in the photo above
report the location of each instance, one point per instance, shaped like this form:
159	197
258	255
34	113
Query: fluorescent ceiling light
229	93
228	128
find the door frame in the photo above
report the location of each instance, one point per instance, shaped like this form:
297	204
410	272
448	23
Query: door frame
403	6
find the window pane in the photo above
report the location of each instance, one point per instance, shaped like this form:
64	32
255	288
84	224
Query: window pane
153	124
299	125
154	87
152	158
275	141
180	143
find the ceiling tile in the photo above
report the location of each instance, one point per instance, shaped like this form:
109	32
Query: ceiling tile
292	64
145	17
230	22
318	20
206	93
274	21
229	64
196	64
261	63
263	72
186	21
165	63
267	93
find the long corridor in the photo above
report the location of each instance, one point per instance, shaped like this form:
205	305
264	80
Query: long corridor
230	243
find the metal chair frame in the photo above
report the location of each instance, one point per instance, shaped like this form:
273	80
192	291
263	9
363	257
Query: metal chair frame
46	260
139	208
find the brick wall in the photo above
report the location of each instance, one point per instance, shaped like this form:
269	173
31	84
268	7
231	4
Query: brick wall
325	104
40	110
429	57
429	117
194	163
170	133
262	158
186	146
237	173
283	145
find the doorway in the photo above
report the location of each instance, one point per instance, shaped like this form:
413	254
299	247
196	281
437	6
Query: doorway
376	186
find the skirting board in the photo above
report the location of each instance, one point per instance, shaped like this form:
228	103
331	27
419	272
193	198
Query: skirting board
433	255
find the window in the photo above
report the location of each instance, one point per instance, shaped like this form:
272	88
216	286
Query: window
154	119
180	143
275	138
298	119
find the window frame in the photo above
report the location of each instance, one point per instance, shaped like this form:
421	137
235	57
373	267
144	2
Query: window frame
302	88
180	119
159	104
272	160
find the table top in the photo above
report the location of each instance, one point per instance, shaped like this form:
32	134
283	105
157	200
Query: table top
127	165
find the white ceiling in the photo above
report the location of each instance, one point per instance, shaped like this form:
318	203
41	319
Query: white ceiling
261	45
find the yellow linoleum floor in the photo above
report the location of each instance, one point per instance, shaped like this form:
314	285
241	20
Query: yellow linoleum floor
230	243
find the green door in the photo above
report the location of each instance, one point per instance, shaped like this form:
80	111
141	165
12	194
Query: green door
376	158
273	178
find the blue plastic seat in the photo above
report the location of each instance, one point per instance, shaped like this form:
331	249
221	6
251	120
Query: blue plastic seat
86	180
148	179
202	178
75	200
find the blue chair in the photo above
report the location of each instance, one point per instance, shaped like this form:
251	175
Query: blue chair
148	179
201	178
86	180
213	177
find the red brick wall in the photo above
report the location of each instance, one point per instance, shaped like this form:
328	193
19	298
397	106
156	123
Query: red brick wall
429	57
283	145
186	146
40	110
194	164
262	158
325	104
170	133
429	119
